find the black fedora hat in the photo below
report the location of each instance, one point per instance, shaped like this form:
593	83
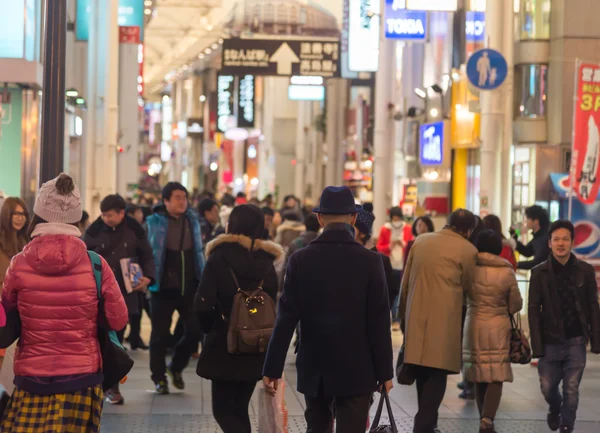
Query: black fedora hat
337	200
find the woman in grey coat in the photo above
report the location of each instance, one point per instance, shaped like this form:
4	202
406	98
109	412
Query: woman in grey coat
486	344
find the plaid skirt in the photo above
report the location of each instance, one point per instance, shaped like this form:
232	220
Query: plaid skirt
77	412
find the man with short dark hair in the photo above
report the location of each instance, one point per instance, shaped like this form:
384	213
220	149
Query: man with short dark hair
536	220
210	227
563	318
335	288
116	236
438	272
174	234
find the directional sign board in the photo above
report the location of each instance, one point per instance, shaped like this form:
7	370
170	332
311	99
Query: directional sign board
276	57
487	69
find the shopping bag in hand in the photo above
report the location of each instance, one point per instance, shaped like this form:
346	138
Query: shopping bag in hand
376	428
273	417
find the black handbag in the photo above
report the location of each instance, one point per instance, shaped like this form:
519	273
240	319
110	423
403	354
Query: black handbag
116	363
520	349
404	372
375	427
12	331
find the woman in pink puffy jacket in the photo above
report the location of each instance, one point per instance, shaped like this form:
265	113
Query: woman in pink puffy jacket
58	365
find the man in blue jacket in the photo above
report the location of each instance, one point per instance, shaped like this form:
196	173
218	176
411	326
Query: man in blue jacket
336	289
176	241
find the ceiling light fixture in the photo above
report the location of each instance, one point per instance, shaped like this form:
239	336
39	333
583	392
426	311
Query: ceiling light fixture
147	11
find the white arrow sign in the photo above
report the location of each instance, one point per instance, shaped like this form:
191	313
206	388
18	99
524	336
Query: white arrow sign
284	56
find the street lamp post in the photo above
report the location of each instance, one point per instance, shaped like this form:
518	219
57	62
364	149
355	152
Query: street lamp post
53	99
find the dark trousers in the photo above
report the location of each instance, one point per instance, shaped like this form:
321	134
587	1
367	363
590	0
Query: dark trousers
135	322
351	414
488	396
563	363
162	308
230	402
431	387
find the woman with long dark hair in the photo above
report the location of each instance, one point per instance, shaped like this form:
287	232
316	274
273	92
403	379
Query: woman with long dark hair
240	255
422	225
14	219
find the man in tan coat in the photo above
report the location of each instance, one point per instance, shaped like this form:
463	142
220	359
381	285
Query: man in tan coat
439	271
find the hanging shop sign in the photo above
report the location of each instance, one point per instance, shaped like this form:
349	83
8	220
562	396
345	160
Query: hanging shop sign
427	5
402	24
283	58
195	128
246	94
225	101
586	133
131	13
363	36
306	93
129	35
306	89
431	140
475	26
487	69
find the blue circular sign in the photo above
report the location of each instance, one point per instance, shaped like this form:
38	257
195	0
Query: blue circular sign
487	69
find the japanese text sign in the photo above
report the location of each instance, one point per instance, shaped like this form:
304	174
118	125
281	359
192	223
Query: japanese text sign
276	57
586	134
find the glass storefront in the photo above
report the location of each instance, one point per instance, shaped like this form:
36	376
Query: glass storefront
531	87
523	182
535	19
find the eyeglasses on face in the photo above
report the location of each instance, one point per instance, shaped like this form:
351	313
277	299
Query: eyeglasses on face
20	214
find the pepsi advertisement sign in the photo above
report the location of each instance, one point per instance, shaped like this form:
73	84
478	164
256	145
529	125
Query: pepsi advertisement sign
431	139
403	24
475	26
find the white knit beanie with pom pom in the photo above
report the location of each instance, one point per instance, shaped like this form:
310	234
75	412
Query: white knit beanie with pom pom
59	201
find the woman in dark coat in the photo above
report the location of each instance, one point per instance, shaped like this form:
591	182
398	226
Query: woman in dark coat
364	231
242	252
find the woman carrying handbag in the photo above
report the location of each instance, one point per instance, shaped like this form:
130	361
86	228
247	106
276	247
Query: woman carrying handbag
51	283
488	330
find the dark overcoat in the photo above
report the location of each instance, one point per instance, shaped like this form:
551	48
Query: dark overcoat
336	289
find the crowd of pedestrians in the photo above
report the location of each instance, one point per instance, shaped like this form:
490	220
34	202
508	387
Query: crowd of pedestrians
221	266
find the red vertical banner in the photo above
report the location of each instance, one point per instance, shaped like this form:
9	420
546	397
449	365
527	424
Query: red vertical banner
586	133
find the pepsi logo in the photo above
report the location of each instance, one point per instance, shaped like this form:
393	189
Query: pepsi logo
587	239
565	183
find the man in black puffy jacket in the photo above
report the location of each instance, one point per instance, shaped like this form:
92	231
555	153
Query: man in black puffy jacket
116	236
564	317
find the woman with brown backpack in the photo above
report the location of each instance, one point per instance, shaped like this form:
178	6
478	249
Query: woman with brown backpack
238	287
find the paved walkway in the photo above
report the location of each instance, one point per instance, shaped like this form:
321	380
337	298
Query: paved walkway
522	410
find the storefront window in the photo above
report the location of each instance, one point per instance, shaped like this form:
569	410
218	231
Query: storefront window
531	86
535	19
522	182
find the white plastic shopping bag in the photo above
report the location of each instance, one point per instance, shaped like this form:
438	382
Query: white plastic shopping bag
7	375
273	416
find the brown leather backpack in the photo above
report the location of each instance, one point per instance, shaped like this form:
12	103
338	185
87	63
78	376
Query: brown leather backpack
251	321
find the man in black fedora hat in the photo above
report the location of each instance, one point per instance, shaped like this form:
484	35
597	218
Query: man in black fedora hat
337	290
